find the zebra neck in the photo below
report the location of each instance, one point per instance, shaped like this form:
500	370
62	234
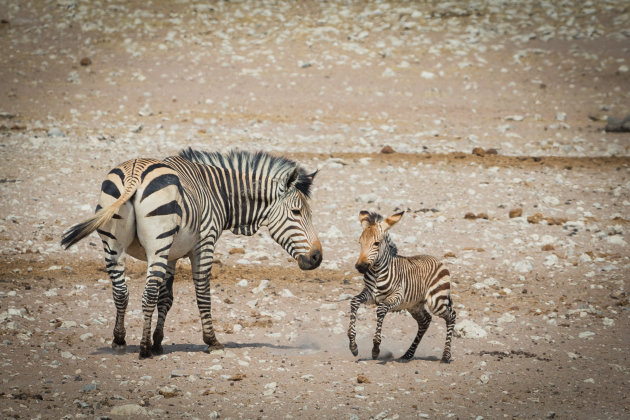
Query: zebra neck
247	200
381	265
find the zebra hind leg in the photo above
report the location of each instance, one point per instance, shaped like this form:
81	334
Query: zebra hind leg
423	318
115	264
449	316
156	275
165	301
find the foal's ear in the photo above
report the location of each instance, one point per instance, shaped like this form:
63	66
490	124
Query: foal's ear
392	220
363	217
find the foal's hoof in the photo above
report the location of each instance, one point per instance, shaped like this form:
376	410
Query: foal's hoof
375	352
145	352
354	349
214	346
445	360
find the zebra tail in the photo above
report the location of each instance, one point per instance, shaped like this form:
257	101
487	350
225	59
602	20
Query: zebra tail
104	215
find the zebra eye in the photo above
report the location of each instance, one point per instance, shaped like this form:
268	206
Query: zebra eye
377	243
296	212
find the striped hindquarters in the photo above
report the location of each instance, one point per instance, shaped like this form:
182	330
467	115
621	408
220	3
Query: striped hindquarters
438	287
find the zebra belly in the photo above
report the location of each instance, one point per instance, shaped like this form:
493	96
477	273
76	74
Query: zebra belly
183	242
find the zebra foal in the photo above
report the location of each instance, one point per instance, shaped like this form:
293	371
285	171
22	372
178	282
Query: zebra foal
162	210
396	283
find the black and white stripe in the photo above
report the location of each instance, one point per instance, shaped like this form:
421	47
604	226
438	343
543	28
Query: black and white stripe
160	211
395	283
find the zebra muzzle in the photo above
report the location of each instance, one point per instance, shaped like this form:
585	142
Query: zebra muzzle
310	261
362	267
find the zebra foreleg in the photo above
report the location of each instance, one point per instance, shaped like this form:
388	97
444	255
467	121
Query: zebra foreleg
423	318
201	268
354	307
115	265
156	274
381	311
391	303
165	301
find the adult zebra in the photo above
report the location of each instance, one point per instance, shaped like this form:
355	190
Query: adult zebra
160	211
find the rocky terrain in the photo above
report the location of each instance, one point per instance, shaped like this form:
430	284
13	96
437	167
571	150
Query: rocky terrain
483	120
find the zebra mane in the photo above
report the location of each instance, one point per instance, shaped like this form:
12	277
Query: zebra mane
374	218
236	159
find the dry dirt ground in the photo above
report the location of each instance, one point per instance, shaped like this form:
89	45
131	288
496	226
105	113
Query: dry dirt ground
543	322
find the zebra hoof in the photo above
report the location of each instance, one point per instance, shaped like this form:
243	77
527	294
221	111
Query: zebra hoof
375	352
406	357
119	348
445	360
157	349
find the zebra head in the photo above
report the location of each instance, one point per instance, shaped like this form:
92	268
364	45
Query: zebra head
374	239
290	222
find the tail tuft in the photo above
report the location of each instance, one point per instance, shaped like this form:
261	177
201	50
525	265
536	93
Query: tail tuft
75	234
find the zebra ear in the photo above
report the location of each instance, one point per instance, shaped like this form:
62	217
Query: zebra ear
363	217
392	220
292	178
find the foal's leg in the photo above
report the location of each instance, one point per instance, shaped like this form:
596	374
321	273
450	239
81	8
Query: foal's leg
423	318
391	303
356	301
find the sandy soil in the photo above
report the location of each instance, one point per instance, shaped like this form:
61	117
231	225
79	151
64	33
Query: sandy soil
542	301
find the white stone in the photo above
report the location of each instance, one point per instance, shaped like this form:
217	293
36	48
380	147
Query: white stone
586	334
242	283
128	410
616	240
506	318
469	329
263	284
551	260
524	266
270	388
286	293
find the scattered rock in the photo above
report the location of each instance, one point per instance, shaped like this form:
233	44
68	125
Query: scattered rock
86	61
128	410
236	251
469	329
473	216
55	132
387	150
362	379
524	266
169	391
450	254
517	212
478	151
270	388
618	125
535	219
